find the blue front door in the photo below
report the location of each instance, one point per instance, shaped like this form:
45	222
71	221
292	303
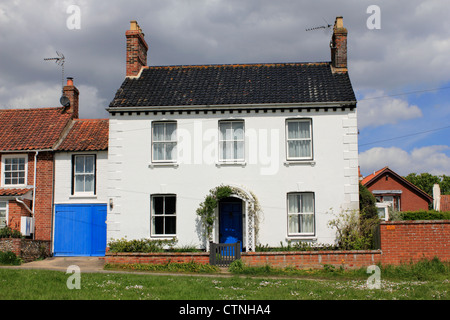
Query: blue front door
230	222
80	230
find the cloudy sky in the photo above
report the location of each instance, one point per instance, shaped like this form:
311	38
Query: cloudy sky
400	70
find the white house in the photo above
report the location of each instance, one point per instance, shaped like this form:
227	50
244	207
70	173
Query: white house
282	135
80	189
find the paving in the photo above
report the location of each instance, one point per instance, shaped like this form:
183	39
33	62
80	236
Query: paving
86	264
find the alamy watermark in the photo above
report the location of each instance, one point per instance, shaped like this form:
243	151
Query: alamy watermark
374	20
73	22
74	280
374	281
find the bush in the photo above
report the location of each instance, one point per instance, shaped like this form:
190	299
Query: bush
7	232
297	246
9	258
423	215
354	232
141	245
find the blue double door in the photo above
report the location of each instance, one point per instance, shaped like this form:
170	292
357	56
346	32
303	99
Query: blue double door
80	230
230	221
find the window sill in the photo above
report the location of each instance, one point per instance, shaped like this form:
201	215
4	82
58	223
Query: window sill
300	237
83	196
227	164
163	164
288	163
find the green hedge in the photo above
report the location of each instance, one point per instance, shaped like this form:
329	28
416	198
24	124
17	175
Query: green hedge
423	215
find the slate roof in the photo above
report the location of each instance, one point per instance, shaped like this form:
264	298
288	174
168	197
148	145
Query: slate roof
208	85
31	129
86	135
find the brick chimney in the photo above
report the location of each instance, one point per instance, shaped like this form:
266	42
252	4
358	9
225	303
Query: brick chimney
136	50
338	47
72	93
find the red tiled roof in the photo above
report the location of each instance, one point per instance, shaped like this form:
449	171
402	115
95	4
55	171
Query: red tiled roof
371	178
445	202
86	135
31	129
366	179
13	192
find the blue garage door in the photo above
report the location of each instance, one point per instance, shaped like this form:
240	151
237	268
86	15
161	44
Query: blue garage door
80	230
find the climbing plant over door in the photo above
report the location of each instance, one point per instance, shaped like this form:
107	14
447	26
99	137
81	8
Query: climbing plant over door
206	210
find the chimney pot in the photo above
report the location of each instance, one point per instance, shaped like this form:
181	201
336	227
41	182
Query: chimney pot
136	50
338	46
72	93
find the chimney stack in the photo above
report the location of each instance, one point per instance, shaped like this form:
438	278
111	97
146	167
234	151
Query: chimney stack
338	47
136	50
72	93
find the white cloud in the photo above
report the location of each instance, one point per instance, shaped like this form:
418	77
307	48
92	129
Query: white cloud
431	159
377	112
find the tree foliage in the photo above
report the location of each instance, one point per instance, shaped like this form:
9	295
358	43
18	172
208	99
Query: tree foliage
425	181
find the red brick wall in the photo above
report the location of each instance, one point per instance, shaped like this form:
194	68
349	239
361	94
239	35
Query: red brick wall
156	258
405	241
313	259
409	200
44	196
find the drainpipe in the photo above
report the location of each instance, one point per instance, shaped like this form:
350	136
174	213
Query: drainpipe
24	204
34	187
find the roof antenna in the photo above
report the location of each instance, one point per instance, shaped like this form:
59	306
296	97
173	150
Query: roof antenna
326	26
60	61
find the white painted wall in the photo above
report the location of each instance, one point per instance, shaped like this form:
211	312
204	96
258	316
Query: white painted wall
332	176
63	178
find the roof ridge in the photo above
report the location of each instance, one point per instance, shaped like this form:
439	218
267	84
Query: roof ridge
32	109
238	64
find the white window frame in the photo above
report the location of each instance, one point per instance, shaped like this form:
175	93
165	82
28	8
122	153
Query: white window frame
294	214
290	158
6	216
14	156
234	158
163	215
165	142
93	174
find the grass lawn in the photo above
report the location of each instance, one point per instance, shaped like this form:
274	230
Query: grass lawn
16	284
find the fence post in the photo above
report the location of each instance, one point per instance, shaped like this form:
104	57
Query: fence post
212	253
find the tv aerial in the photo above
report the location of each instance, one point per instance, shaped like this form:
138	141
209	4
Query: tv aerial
326	26
60	61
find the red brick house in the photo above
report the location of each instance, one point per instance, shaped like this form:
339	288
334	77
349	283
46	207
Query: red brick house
27	141
393	190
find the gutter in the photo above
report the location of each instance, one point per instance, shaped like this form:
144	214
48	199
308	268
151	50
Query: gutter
268	106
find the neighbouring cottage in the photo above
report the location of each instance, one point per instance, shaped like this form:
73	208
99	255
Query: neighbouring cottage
282	136
395	192
27	141
80	198
53	176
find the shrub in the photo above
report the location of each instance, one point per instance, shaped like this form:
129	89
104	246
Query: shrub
141	245
7	232
354	232
423	215
9	258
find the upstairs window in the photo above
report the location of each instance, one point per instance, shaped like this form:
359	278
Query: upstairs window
299	139
164	142
14	171
231	140
84	174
